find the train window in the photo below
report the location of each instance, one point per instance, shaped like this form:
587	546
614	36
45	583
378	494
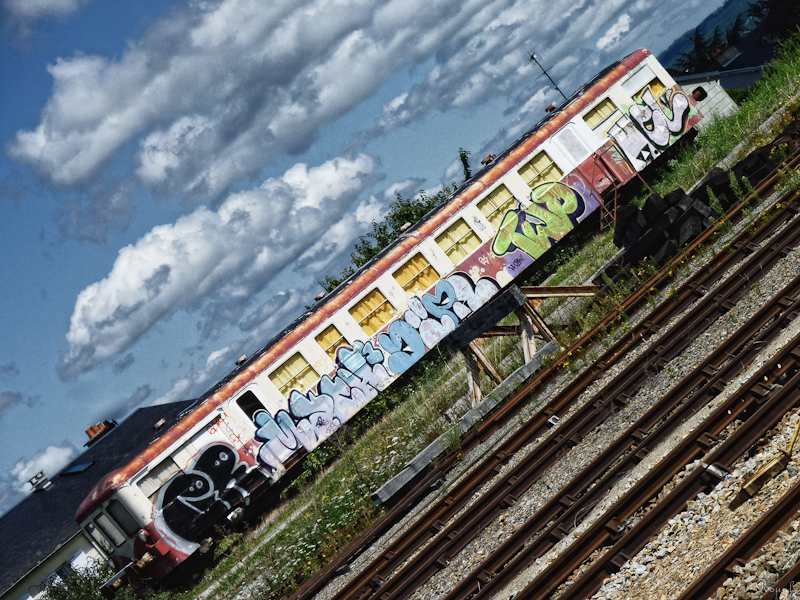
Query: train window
295	373
110	529
494	206
121	515
98	537
656	88
184	454
416	275
150	483
330	339
372	312
250	404
540	169
458	241
595	117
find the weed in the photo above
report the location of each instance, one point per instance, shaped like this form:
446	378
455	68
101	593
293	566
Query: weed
724	224
451	440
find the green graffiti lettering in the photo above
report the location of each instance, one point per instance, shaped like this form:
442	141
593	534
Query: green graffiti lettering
533	229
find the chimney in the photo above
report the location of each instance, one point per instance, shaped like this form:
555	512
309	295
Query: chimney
95	432
40	482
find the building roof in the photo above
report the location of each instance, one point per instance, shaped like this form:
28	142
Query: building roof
45	520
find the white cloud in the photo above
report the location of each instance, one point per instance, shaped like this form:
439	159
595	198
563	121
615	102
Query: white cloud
213	93
454	171
14	484
615	32
50	460
214	259
24	13
161	150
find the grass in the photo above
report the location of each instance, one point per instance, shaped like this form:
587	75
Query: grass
779	86
329	503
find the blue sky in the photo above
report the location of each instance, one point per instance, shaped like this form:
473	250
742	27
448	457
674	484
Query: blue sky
176	177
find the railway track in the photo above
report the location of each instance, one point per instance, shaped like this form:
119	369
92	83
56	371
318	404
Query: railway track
554	521
508	487
757	405
739	248
385	579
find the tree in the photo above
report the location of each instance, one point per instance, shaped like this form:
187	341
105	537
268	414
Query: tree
401	211
776	18
716	39
735	32
464	156
84	584
698	57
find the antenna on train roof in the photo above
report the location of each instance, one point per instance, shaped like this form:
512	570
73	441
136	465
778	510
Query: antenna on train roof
533	58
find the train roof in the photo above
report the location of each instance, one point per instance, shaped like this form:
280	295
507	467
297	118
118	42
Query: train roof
365	276
49	513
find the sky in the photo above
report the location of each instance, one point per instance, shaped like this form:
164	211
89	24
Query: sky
177	177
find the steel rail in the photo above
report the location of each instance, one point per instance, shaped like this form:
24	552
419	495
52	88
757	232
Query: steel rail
474	438
554	520
462	530
746	546
759	406
786	582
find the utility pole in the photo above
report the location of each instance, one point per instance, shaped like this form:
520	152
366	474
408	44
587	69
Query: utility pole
533	58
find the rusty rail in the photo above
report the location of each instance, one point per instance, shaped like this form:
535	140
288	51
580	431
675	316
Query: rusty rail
740	247
554	520
375	580
759	406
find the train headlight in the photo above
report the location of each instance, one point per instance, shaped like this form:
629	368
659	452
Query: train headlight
143	536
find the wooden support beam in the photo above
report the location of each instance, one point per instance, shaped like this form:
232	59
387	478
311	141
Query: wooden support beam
477	361
538	322
473	377
484	363
527	329
559	291
501	330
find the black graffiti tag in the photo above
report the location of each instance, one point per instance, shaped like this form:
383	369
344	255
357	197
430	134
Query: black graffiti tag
187	494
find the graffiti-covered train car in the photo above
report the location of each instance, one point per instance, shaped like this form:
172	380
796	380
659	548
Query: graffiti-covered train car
156	512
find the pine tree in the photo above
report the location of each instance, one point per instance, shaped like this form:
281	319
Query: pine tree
734	33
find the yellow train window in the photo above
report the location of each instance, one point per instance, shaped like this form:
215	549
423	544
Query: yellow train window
330	339
494	206
655	86
372	312
540	169
416	275
458	241
595	117
295	373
